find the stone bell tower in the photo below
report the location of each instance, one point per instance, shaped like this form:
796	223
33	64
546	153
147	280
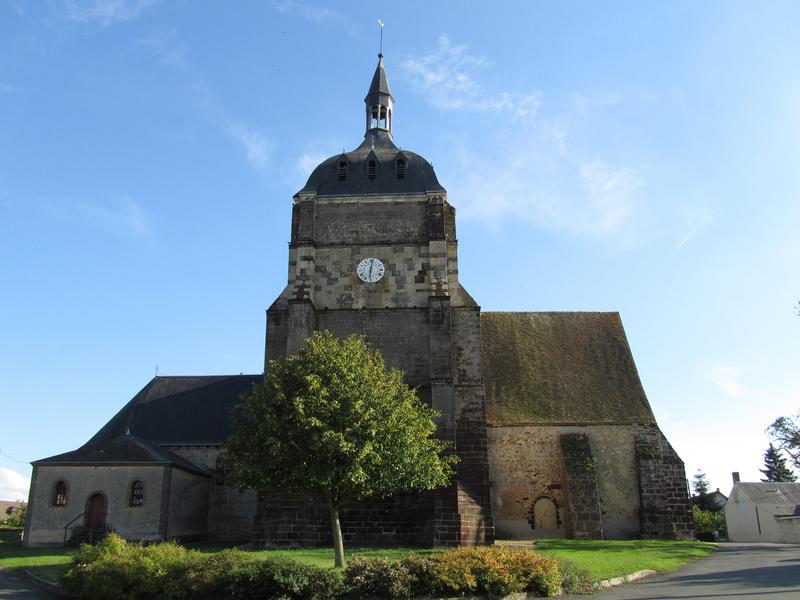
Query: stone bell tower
373	251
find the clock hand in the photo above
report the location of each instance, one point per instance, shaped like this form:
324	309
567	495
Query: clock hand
371	264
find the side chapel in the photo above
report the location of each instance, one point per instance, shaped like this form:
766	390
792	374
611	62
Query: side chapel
545	410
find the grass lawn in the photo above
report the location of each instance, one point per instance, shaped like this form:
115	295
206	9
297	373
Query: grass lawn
47	563
605	559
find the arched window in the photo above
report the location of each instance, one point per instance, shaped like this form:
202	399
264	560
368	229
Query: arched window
371	169
342	170
60	493
137	493
400	168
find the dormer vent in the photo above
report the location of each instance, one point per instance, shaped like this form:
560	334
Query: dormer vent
342	170
400	168
371	168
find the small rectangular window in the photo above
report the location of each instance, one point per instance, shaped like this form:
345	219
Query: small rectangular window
137	493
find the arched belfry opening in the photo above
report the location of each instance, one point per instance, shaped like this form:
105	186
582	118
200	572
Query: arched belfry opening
379	101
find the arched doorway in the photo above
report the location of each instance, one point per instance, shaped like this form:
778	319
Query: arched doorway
545	514
544	519
96	512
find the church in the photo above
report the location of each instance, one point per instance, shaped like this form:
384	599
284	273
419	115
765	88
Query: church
545	410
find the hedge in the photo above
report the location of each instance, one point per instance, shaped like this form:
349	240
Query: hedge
115	569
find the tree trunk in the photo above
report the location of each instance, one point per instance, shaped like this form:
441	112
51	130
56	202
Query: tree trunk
338	544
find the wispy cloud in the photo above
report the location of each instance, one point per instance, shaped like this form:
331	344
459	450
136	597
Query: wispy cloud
13	486
543	187
446	77
317	14
122	216
257	147
309	161
694	220
105	12
527	169
726	378
167	47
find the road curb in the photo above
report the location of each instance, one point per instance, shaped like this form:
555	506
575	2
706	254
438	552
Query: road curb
46	585
615	581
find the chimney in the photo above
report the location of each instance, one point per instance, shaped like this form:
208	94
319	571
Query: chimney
735	477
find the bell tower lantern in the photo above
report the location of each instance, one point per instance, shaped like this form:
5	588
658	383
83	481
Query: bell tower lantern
379	101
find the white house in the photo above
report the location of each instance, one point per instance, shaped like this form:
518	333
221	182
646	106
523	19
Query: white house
764	512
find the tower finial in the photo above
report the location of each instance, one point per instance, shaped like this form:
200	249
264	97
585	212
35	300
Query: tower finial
380	50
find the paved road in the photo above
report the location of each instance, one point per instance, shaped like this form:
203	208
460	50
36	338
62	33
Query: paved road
15	587
735	572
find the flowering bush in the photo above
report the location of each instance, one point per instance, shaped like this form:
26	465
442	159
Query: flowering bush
116	569
492	571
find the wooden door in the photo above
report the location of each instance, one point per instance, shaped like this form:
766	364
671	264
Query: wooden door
96	512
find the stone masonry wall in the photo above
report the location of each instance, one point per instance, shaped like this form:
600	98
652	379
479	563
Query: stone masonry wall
231	511
422	321
580	477
47	522
665	505
525	465
474	497
287	520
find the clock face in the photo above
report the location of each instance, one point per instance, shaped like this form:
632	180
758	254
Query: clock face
370	270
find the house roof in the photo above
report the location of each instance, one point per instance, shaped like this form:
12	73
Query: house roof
180	411
120	450
778	499
560	368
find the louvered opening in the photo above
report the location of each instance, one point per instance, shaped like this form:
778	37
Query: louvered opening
400	168
371	169
343	170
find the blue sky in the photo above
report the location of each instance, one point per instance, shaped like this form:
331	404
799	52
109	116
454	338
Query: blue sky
626	156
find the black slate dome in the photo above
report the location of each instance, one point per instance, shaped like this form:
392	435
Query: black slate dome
377	166
394	171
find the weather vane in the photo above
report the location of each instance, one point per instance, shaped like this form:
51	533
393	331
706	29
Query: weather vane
381	46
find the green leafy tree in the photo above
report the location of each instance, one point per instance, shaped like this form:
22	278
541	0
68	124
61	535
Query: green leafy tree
785	433
708	520
332	421
700	484
17	518
775	468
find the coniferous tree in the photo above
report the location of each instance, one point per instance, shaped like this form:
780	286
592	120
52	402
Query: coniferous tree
700	484
775	468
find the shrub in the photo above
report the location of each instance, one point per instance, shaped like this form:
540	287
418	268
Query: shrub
284	579
495	571
421	571
377	578
575	580
206	576
116	569
706	520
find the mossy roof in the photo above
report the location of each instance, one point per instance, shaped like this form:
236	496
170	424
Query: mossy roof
560	368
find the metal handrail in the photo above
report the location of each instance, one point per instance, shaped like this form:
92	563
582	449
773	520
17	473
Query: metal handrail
70	523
